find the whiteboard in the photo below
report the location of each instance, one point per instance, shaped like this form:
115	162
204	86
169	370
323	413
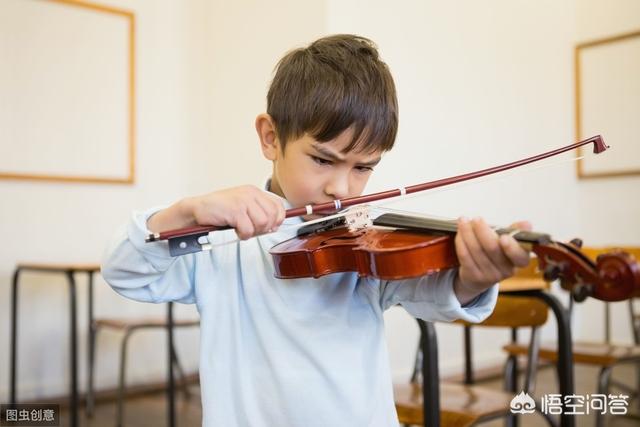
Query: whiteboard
608	103
66	92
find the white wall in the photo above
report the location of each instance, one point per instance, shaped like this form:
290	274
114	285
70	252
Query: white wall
479	83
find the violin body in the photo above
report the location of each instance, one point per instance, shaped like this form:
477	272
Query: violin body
419	247
388	254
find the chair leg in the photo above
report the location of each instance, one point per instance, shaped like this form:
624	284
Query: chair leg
603	388
430	375
183	377
509	377
532	361
121	385
635	323
637	396
90	380
510	384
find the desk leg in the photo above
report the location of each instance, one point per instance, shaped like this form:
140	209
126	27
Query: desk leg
170	377
90	399
14	337
73	402
468	357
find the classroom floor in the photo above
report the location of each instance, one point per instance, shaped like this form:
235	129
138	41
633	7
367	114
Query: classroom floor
586	383
151	410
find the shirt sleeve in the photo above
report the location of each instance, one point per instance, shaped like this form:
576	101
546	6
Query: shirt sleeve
146	271
432	298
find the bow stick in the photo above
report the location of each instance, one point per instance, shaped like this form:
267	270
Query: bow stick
192	234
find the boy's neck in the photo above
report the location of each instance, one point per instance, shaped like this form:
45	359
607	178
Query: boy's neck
274	187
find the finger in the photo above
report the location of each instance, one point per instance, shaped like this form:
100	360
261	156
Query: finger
517	255
467	262
488	240
243	226
488	271
280	209
282	212
259	217
270	210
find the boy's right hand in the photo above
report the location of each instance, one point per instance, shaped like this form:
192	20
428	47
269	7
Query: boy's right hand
249	210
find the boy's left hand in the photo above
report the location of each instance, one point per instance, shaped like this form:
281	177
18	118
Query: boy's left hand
485	258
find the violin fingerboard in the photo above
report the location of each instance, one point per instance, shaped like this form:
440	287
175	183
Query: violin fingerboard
430	225
523	236
416	223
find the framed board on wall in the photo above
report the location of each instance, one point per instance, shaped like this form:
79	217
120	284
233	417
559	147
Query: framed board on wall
608	103
67	92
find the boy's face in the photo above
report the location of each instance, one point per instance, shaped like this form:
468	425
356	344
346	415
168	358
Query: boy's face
311	172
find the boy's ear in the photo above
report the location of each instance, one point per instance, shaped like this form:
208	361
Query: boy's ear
267	134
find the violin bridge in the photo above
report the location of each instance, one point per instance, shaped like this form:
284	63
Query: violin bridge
357	217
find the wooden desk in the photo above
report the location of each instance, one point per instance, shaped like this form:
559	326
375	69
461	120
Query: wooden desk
69	270
515	284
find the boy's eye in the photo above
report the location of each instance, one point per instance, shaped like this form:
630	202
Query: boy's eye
364	169
320	160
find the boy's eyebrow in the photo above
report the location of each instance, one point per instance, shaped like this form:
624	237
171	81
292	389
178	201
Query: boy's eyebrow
331	155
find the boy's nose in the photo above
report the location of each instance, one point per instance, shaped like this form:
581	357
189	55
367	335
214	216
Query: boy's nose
338	187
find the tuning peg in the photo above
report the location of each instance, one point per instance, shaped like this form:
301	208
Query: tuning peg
551	272
576	242
581	291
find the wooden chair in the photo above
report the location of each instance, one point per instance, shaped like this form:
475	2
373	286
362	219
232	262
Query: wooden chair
465	405
605	355
128	327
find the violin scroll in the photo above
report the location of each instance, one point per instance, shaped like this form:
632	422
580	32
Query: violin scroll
614	276
620	275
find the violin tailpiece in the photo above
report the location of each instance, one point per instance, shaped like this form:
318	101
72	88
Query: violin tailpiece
321	226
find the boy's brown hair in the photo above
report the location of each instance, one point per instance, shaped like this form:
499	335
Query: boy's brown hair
335	83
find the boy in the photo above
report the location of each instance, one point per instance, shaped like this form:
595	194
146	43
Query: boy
303	352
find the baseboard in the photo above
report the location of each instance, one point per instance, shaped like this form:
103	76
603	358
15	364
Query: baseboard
109	395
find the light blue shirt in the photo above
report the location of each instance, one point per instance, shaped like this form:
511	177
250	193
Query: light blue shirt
279	353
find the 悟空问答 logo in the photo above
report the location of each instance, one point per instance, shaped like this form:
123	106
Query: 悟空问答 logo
522	404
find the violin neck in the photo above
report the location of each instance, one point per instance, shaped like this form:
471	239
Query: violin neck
431	225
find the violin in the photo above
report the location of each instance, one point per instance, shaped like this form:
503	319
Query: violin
399	247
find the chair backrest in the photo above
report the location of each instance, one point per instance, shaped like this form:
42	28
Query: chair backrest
518	311
514	312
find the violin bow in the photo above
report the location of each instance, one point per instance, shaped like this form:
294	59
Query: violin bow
186	240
